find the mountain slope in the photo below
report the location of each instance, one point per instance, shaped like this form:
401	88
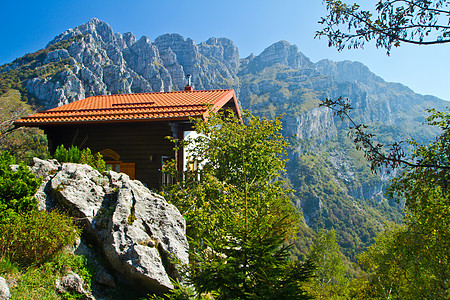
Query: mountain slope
332	179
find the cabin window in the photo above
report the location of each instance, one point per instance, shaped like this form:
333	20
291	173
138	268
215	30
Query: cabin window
113	166
121	167
116	165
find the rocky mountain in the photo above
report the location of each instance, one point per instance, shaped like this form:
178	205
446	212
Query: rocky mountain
101	62
333	183
332	179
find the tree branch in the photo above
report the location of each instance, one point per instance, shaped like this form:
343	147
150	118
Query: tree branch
373	151
397	21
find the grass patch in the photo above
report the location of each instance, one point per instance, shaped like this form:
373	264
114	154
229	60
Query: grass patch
39	282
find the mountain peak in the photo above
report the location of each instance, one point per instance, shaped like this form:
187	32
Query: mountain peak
101	31
282	53
347	71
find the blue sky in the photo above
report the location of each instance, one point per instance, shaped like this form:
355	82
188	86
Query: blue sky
27	26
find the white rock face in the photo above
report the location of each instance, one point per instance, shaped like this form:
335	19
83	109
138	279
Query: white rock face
316	122
56	55
137	230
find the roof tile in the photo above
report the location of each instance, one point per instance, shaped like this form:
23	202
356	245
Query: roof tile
133	107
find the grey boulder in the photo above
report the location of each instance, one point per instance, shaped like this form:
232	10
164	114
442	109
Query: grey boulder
73	283
141	235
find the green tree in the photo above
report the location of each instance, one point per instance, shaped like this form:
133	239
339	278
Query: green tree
404	263
329	276
392	22
411	261
418	253
238	211
424	189
384	266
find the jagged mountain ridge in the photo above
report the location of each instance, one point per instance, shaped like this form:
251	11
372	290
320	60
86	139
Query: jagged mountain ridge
103	62
332	180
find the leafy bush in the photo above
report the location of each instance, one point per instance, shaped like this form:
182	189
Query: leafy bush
36	236
84	156
27	235
73	154
17	187
32	238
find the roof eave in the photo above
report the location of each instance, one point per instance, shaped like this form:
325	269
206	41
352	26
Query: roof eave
230	95
91	122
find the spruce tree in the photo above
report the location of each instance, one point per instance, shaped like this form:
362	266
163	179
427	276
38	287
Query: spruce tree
238	211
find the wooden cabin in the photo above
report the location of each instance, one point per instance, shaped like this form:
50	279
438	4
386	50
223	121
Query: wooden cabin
130	130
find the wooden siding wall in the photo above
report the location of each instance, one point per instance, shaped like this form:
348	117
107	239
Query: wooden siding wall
141	143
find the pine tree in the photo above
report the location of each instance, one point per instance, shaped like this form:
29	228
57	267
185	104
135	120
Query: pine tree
238	211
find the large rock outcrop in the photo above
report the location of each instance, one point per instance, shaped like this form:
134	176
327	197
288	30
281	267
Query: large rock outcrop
140	235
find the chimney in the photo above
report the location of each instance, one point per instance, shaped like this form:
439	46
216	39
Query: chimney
188	88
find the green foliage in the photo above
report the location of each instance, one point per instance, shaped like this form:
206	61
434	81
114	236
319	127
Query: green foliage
180	292
7	266
413	260
38	282
84	156
408	262
73	154
238	211
36	236
64	262
224	139
17	188
421	249
28	236
383	265
330	280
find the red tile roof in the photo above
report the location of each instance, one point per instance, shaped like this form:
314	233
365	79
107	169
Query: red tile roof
134	107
